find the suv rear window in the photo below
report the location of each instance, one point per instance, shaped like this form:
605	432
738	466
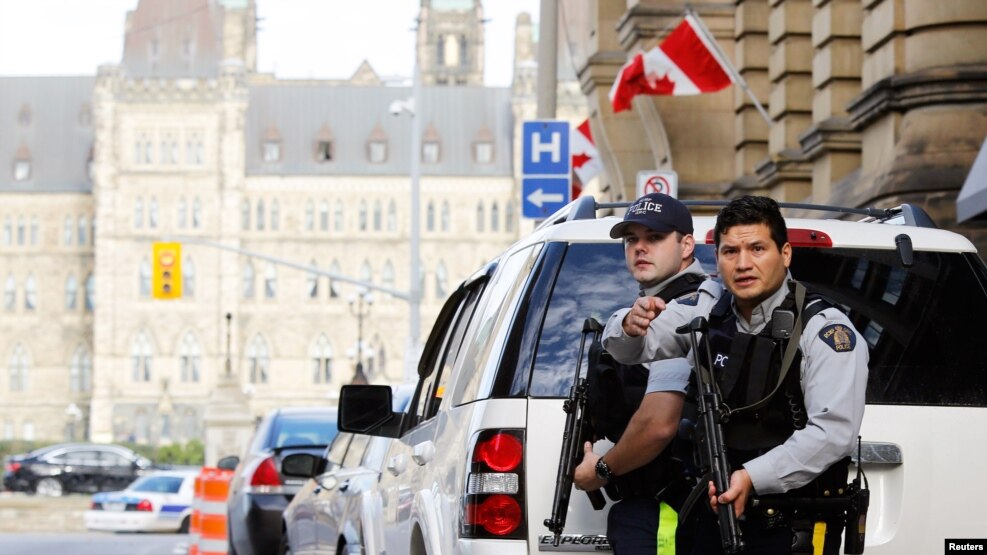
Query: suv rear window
592	282
920	351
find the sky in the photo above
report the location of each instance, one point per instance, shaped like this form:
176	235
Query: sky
296	38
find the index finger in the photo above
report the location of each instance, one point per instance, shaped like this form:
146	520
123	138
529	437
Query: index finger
652	304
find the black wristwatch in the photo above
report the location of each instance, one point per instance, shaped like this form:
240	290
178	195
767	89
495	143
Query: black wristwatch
603	471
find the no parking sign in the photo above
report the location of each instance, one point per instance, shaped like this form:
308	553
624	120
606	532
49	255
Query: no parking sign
666	182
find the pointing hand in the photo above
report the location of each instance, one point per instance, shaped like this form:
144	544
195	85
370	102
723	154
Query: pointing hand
645	310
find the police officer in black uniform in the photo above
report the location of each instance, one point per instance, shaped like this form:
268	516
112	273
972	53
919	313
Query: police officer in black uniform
806	414
658	249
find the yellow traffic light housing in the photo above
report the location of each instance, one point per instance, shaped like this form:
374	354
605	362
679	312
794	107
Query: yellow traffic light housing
166	279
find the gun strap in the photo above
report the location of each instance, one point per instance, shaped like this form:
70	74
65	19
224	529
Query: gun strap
791	348
694	495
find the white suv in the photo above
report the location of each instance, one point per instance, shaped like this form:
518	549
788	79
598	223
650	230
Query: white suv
474	467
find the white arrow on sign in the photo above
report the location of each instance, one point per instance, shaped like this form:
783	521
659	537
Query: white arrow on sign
538	197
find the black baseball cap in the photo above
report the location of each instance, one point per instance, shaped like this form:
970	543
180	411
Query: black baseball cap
657	212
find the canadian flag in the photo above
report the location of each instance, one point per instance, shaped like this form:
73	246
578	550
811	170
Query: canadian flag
685	63
585	158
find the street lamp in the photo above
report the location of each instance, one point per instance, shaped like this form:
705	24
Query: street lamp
357	302
412	107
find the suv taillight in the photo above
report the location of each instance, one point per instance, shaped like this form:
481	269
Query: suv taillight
493	506
13	467
265	478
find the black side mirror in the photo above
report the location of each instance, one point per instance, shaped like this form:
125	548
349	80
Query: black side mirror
228	462
366	409
301	465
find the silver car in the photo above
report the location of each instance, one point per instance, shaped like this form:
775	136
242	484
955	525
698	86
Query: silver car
337	511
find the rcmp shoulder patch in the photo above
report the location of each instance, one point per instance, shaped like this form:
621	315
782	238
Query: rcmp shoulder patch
689	300
839	337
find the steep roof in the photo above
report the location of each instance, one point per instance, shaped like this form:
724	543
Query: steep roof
458	116
55	132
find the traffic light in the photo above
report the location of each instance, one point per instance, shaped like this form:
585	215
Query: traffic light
166	279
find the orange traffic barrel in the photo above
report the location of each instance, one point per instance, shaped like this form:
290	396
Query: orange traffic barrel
194	524
211	539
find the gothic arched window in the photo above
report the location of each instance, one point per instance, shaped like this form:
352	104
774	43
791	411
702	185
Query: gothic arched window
258	360
190	358
321	355
141	358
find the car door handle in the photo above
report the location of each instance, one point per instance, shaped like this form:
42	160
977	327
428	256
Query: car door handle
877	452
423	453
397	464
344	485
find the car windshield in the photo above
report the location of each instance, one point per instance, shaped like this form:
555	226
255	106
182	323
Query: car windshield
299	430
157	484
921	353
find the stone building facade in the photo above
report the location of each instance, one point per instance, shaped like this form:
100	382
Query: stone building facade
185	141
871	102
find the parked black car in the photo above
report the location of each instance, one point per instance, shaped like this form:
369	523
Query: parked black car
259	492
73	467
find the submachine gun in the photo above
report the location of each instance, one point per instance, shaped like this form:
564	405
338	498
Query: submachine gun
712	448
851	503
577	431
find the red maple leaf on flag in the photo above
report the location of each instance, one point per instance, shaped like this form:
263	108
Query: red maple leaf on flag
579	160
664	85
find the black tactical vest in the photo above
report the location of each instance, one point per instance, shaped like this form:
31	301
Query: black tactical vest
615	391
746	368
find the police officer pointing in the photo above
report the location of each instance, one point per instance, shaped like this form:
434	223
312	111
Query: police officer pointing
805	421
658	250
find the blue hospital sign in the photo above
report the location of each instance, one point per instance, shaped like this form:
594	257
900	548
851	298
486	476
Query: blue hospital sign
545	167
546	148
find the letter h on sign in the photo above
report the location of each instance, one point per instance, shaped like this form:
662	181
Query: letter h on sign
545	167
553	147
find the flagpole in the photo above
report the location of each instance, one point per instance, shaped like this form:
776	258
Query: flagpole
725	62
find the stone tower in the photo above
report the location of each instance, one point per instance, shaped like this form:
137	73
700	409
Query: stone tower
189	38
450	42
169	128
240	32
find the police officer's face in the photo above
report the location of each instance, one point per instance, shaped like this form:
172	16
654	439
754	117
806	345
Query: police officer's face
751	265
653	257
